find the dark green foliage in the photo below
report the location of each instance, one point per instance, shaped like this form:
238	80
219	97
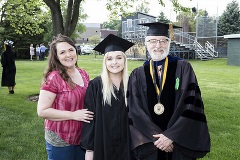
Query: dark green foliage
25	32
229	22
163	18
113	24
21	42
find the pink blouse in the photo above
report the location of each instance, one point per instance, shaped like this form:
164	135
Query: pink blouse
68	100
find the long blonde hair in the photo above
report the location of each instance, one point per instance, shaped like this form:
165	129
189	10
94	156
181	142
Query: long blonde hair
107	89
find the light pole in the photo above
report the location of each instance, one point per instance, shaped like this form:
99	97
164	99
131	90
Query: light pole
216	29
195	11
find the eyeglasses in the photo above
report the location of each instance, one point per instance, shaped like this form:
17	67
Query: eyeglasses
155	41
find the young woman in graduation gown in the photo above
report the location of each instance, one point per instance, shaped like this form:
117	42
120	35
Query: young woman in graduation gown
107	136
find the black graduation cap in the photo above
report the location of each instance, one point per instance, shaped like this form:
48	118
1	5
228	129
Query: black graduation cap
159	28
113	43
8	42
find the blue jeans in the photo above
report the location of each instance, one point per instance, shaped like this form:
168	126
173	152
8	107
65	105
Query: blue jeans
71	152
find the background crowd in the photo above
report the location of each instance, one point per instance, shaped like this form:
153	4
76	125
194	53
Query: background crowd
39	52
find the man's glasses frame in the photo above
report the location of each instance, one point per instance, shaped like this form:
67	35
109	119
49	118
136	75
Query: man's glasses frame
161	41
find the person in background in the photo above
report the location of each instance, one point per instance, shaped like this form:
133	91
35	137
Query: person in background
32	49
42	52
107	136
166	111
37	51
61	101
9	67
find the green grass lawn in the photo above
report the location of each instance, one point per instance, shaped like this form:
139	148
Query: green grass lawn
22	134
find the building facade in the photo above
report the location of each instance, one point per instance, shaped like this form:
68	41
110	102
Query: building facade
94	29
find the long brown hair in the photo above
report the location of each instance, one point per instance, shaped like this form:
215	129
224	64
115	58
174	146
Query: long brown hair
54	63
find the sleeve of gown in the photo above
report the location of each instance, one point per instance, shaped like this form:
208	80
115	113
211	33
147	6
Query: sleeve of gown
189	130
87	136
3	60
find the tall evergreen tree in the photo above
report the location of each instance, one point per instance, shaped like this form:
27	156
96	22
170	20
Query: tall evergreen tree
206	26
229	21
162	18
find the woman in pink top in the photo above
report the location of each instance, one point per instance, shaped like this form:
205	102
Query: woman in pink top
61	101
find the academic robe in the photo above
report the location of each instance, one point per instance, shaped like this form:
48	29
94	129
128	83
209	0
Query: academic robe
183	120
9	67
108	134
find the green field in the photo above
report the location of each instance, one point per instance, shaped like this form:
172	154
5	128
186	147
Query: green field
22	134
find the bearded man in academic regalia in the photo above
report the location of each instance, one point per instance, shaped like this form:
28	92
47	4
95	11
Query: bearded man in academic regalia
166	112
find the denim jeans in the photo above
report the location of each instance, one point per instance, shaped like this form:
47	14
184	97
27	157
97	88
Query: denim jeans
71	152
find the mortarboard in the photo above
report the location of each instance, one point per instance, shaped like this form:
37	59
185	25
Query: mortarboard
113	43
8	42
159	28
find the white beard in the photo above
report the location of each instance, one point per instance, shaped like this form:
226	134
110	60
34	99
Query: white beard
159	57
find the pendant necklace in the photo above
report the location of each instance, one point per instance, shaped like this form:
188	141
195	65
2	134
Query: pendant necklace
159	107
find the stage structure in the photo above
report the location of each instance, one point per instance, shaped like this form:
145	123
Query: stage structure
184	46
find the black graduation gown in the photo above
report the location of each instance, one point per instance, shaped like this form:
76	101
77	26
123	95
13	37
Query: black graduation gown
183	120
108	134
9	68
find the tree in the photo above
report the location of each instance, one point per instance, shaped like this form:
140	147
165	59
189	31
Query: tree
24	16
94	39
112	24
229	21
206	26
71	17
162	18
22	22
29	21
143	7
73	12
198	14
122	7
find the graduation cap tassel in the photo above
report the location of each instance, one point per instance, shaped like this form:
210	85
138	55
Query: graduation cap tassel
171	33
